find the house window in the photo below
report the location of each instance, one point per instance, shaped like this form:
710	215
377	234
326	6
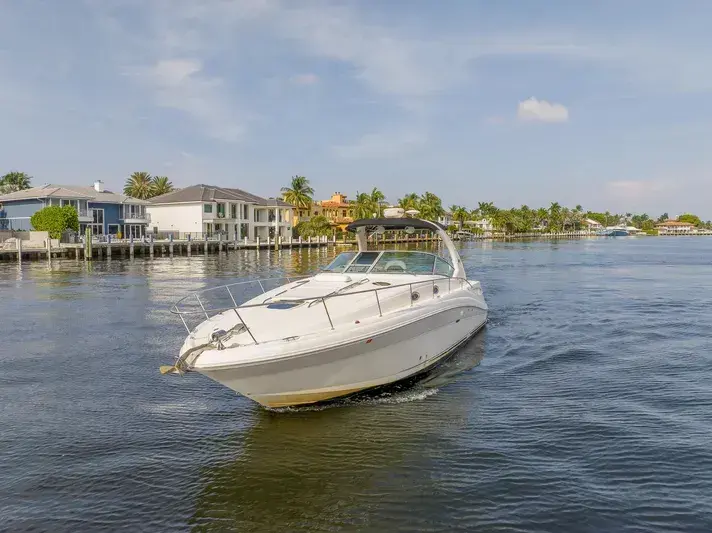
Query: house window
221	210
343	213
233	210
316	213
207	208
244	216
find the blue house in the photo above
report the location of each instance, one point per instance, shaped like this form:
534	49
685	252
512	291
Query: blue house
105	212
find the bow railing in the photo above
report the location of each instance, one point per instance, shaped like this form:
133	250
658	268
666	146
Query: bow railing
207	303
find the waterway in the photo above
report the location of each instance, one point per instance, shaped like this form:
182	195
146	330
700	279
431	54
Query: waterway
584	406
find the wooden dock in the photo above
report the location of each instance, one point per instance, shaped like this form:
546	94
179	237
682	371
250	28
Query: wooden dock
170	248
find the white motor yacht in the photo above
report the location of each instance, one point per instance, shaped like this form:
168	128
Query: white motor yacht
370	318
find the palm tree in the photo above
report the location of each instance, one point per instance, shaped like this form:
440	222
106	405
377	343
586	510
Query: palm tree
486	209
363	206
555	214
542	216
139	185
431	207
300	194
377	199
459	214
14	181
409	201
160	185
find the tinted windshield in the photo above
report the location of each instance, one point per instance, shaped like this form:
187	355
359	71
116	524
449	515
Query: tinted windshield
410	262
340	262
363	262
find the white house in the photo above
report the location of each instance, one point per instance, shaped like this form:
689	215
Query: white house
484	224
205	210
593	225
446	219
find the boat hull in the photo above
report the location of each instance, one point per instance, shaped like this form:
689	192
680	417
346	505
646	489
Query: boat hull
389	357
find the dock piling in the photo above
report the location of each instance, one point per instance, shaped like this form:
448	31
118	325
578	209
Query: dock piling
87	245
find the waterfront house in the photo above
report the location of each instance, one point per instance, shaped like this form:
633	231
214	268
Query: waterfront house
206	210
592	225
484	224
675	227
337	210
446	219
103	211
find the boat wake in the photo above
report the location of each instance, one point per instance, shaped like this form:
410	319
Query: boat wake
393	397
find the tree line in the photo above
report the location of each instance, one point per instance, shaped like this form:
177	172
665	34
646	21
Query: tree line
300	194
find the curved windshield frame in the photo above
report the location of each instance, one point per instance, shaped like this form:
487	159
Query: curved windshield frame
390	262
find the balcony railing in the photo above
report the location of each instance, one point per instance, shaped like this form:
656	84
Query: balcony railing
136	215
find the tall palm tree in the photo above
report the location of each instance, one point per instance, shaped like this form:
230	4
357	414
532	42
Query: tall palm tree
409	201
555	214
460	214
486	209
299	194
377	199
15	181
431	207
542	216
139	185
160	185
363	206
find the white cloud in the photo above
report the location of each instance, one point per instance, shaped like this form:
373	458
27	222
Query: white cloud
541	110
181	84
305	79
382	145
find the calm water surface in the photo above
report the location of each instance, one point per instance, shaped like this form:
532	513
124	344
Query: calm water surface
584	406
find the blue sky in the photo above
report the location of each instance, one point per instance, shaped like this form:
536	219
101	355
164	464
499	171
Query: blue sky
595	103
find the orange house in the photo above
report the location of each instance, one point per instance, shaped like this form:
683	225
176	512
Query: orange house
338	210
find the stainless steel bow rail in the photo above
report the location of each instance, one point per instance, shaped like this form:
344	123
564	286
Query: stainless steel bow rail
208	311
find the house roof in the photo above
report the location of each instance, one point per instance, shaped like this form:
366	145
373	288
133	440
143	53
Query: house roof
209	193
676	223
592	222
73	192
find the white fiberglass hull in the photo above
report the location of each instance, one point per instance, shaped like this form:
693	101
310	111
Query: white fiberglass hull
384	358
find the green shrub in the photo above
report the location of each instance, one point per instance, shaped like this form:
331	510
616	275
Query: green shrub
55	220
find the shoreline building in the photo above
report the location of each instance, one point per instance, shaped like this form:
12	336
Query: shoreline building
675	227
337	210
103	211
206	210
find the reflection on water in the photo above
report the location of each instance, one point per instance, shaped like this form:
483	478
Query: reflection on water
319	468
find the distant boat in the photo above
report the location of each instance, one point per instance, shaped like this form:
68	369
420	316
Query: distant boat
614	231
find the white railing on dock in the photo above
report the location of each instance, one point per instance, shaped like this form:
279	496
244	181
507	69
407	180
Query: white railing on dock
197	308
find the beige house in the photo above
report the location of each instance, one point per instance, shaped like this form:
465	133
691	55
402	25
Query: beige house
675	227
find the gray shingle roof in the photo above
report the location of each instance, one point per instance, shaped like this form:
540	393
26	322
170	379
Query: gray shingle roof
210	193
74	192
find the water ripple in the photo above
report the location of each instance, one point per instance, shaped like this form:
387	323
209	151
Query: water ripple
582	407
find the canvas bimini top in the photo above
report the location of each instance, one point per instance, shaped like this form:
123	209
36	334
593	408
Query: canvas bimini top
394	224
